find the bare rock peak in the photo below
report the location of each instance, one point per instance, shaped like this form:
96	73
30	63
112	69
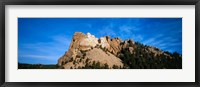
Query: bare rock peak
87	50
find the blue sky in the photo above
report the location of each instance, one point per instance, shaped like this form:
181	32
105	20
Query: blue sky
45	40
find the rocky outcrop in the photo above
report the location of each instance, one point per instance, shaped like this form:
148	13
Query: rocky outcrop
103	42
115	45
88	41
86	48
74	46
87	51
82	43
103	57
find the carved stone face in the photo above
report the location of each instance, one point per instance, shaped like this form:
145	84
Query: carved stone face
89	41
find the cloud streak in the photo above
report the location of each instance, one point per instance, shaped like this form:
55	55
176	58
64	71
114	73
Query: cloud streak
45	50
49	39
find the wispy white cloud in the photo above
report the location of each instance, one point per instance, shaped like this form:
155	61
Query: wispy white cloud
46	50
107	31
153	40
158	34
122	30
62	39
88	25
44	57
149	41
138	38
164	43
125	29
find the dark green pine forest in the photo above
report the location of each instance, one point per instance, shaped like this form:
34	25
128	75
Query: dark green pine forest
142	59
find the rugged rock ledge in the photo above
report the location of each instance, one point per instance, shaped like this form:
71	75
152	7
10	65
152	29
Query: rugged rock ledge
88	51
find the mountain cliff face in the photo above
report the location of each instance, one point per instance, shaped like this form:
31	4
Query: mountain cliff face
87	51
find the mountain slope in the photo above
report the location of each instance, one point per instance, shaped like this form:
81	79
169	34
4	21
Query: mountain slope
87	51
